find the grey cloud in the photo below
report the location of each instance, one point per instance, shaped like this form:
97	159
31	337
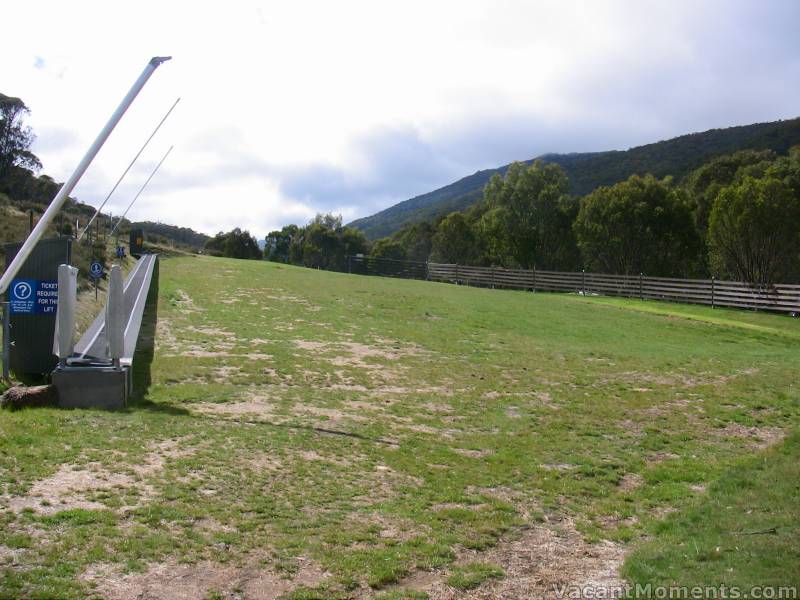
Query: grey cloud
731	63
392	164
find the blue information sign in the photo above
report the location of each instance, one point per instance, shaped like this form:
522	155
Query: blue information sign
96	269
33	297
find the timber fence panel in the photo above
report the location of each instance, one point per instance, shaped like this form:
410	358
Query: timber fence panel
783	298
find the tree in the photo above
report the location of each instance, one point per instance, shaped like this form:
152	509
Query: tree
754	230
493	237
417	240
388	248
278	243
15	138
641	225
703	184
234	244
325	243
454	241
530	209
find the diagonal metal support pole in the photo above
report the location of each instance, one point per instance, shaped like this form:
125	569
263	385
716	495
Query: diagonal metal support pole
66	189
125	172
141	189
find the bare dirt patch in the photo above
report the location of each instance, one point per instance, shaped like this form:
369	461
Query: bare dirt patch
258	356
630	482
72	486
224	374
185	303
759	437
558	466
256	406
354	354
640	380
170	580
659	457
212	331
201	353
68	488
473	453
536	561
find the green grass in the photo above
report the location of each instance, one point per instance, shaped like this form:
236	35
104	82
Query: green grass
343	433
744	532
472	575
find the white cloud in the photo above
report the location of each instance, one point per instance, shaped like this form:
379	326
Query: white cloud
292	107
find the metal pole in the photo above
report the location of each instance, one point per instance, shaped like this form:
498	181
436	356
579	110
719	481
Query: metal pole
70	184
115	318
6	339
712	292
125	172
141	189
65	317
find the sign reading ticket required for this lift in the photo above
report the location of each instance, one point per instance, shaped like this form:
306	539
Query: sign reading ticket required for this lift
33	297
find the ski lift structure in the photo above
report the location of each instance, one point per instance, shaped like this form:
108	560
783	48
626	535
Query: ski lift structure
95	371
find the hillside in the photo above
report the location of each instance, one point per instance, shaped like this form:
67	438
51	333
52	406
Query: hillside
587	171
295	427
180	235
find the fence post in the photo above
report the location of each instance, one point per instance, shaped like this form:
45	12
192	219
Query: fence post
534	279
349	264
427	270
457	282
583	281
491	275
6	339
641	295
712	292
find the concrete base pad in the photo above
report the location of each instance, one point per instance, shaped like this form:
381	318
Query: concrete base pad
92	387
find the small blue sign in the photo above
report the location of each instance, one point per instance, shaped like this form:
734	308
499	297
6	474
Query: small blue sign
33	297
96	269
120	251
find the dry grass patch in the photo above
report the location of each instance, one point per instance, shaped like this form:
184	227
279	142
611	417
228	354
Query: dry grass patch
171	580
72	486
536	560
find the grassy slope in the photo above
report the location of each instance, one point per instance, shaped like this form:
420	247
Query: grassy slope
390	423
743	533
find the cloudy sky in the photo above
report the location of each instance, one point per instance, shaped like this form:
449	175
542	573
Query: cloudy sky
297	107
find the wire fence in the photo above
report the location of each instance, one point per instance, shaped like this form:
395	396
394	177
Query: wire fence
783	298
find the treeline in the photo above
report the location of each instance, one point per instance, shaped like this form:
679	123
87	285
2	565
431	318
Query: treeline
737	217
182	235
324	244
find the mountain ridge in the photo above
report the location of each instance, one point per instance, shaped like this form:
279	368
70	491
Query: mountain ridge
588	170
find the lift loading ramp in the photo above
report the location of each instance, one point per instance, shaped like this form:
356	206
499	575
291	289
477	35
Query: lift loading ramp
89	377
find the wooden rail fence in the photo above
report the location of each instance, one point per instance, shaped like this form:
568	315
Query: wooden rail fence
782	298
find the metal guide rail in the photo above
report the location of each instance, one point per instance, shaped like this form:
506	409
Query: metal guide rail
93	346
97	372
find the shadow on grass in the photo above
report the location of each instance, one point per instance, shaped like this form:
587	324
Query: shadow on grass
143	357
308	428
